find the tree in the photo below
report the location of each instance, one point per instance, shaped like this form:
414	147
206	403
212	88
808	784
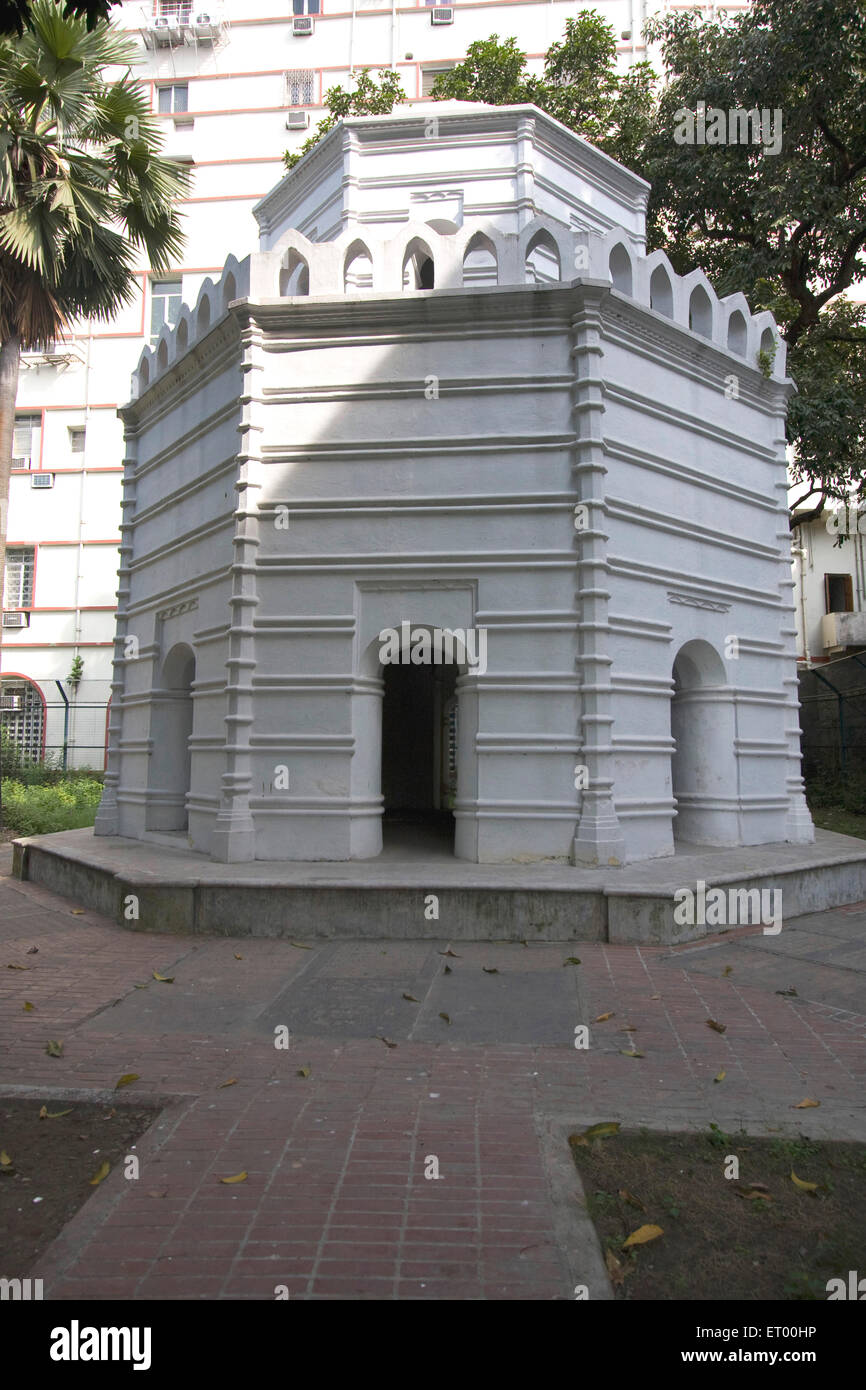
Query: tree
83	191
580	85
15	14
787	228
364	99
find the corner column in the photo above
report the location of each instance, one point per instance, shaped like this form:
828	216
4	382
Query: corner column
234	839
598	841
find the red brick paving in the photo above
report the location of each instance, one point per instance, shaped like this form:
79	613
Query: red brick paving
336	1204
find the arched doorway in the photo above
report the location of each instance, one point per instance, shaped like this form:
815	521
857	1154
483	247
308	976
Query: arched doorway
419	754
703	763
22	717
170	732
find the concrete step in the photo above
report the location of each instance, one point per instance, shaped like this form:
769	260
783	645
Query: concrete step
155	887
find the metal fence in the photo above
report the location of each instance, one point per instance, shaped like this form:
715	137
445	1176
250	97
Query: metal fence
833	717
69	729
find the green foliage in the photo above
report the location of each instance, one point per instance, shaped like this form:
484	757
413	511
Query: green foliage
580	85
36	772
789	229
76	672
14	14
847	790
69	803
83	188
364	99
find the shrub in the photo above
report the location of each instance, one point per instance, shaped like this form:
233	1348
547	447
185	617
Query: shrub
66	804
43	772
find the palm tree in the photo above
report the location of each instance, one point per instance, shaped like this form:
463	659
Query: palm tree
84	192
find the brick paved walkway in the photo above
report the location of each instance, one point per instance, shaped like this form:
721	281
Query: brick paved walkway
336	1203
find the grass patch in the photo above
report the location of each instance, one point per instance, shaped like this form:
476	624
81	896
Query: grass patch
717	1242
54	1160
838	819
66	804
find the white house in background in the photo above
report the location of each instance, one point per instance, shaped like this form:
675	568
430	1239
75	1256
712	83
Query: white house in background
451	499
233	84
830	586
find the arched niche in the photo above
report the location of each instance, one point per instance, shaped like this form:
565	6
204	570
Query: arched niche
542	264
480	264
621	274
357	268
171	725
661	292
703	764
419	271
738	331
294	276
701	312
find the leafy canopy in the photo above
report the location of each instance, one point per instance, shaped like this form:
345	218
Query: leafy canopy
15	14
83	188
366	98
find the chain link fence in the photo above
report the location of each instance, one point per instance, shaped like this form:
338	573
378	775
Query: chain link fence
833	718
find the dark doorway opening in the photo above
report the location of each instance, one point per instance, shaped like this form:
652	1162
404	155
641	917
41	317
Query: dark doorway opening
419	756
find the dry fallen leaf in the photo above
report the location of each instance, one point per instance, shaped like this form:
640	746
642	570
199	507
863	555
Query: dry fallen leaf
410	998
386	1041
728	970
614	1269
141	986
602	1018
232	1081
303	1071
717	1027
237	957
163	979
126	1080
721	1076
5	1160
33	950
449	952
15	966
602	1131
237	1177
758	1186
101	1174
789	993
446	1017
655	996
490	969
46	1114
753	1196
631	1199
54	1049
630	1052
642	1235
28	1007
571	960
803	1186
446	970
299	946
77	911
807	1104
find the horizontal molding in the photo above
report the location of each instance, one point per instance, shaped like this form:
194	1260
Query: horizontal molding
689	424
643	460
645	519
711	588
414	388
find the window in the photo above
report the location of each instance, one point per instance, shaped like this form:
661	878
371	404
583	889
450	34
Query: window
299	87
22	716
839	593
76	439
25	441
173	98
20	564
306	6
165	302
429	75
174	9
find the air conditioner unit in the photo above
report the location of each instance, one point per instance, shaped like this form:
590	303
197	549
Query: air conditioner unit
443	14
11	619
21	462
42	480
297	120
205	26
12	702
302	25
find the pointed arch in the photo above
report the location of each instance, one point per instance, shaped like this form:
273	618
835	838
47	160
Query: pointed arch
230	290
357	268
661	292
202	320
294	275
621	274
162	356
419	271
182	336
542	262
480	261
701	312
738	331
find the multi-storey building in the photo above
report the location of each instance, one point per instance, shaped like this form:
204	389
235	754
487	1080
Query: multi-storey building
234	85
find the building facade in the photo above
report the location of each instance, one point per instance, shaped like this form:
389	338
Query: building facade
234	85
452	500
